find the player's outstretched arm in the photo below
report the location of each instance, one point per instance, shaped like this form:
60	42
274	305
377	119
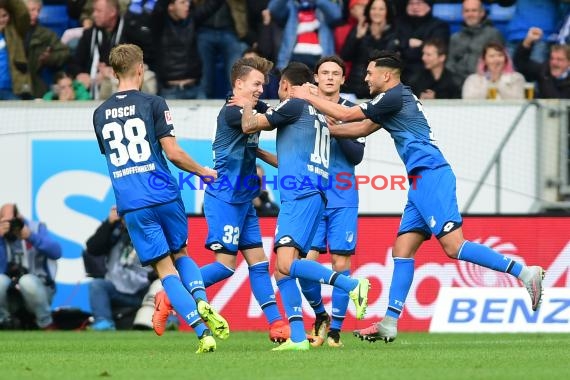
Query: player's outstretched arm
182	160
353	130
250	122
338	111
268	157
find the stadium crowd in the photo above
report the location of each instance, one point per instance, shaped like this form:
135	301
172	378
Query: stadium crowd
471	49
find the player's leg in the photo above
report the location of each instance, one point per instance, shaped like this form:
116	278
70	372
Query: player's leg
342	237
176	232
152	248
305	213
174	223
413	231
225	223
260	281
291	298
442	205
312	289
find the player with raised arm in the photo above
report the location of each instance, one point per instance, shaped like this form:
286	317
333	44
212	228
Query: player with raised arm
303	147
432	206
337	230
133	129
232	219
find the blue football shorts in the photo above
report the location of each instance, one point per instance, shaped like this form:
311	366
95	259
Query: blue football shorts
337	231
432	206
231	226
158	231
298	221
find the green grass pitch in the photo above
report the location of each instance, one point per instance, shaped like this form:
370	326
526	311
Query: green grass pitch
247	355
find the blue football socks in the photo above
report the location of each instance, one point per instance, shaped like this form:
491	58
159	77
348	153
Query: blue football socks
262	290
183	303
214	273
312	292
486	257
311	270
191	277
340	301
401	282
291	297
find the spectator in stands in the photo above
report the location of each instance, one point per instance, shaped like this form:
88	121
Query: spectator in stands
552	77
374	32
435	81
267	33
44	50
543	14
220	36
126	280
416	26
179	69
308	29
466	45
90	62
65	89
355	15
495	77
263	203
27	252
15	79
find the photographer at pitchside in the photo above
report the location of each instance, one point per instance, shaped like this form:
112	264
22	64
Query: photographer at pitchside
27	252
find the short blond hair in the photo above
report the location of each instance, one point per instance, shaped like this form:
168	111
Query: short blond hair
244	66
124	58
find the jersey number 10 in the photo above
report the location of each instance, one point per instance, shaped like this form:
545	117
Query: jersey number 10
322	149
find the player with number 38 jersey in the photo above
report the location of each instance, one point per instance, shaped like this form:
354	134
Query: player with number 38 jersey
129	126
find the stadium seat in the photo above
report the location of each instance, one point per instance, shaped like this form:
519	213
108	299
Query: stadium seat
501	16
450	13
54	17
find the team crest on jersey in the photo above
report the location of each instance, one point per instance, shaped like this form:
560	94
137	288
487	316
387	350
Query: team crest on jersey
168	117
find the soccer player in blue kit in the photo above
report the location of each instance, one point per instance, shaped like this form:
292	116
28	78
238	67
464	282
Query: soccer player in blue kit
432	206
133	129
232	219
337	230
303	153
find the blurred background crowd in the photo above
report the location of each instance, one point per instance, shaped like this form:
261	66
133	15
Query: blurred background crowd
471	49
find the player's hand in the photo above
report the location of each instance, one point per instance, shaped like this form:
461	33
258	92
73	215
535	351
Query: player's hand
304	91
240	101
331	120
209	175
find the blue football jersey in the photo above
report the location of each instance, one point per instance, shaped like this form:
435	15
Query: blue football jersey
340	193
400	113
234	157
128	127
303	149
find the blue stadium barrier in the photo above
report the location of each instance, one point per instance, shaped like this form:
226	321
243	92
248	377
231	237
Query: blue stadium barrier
55	17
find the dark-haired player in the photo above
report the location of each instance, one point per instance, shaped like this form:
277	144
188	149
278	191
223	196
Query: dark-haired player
303	154
432	205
